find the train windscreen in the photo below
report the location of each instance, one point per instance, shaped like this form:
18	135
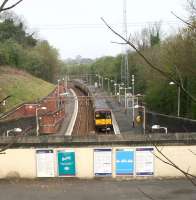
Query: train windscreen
103	115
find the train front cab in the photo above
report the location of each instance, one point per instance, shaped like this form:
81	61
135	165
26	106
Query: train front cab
103	120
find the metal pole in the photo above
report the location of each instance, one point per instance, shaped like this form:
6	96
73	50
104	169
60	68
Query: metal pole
102	82
144	120
58	93
119	93
108	85
99	81
125	98
178	101
63	84
133	101
37	122
66	83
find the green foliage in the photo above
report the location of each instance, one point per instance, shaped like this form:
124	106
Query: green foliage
175	55
11	53
10	30
20	49
107	66
43	61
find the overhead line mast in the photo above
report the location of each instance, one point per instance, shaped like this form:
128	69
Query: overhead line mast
124	62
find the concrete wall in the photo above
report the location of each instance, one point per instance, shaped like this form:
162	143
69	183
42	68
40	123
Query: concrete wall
22	162
18	163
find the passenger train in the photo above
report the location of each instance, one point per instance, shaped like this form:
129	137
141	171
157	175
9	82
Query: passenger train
102	113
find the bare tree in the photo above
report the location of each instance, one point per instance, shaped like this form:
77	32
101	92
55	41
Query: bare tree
192	7
4	7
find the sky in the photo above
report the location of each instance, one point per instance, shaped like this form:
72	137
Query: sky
74	27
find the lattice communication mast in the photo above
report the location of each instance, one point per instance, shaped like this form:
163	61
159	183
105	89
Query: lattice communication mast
124	62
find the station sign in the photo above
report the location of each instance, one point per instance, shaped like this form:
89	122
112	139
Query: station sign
102	162
66	163
124	162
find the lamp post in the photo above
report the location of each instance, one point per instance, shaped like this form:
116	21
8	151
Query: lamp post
102	81
113	81
63	79
119	88
178	111
66	83
99	83
133	100
115	84
128	88
15	130
37	120
108	84
159	127
99	80
144	116
58	91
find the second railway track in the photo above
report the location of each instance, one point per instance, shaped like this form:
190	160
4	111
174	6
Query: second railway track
84	124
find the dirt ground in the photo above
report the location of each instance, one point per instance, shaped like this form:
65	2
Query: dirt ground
73	189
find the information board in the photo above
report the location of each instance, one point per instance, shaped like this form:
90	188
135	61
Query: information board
124	162
45	163
103	162
66	163
144	161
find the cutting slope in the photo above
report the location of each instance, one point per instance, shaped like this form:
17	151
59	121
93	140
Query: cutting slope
22	87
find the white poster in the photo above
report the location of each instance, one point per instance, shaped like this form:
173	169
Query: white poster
45	163
144	161
103	162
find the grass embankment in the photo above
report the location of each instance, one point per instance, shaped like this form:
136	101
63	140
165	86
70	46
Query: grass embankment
22	87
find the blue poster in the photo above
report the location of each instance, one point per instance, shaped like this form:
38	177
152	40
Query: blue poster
66	163
124	162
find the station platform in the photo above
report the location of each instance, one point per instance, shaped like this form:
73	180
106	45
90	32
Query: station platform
71	109
123	117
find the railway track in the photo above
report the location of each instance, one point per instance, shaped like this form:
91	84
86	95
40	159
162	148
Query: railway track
84	122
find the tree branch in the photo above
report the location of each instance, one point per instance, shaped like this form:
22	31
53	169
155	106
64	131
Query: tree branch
187	23
167	75
3	4
2	7
168	161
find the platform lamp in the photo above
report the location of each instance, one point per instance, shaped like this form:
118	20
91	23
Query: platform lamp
156	127
14	130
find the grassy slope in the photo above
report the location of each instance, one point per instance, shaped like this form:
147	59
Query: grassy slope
22	86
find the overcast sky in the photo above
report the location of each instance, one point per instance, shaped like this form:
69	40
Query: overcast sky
74	27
